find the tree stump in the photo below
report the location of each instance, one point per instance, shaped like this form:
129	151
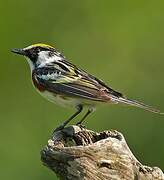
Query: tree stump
76	153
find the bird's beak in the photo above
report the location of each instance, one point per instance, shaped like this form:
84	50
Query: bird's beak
19	51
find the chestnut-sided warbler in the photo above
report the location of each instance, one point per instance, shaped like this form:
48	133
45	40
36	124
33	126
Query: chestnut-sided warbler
62	82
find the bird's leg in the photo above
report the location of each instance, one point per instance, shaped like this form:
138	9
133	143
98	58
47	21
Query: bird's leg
88	112
79	109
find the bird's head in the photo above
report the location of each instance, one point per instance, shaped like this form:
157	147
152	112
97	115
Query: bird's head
39	54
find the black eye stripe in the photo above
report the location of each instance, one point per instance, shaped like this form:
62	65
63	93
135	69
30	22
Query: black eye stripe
43	49
33	53
39	48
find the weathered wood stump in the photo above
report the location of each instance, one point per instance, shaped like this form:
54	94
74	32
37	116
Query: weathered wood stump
76	153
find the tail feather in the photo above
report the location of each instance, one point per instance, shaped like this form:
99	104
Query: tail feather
136	104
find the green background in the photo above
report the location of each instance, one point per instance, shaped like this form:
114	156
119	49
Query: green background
120	42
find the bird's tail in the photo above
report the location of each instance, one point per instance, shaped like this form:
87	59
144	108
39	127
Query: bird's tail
136	104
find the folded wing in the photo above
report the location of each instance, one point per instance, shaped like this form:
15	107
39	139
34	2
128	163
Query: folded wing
72	85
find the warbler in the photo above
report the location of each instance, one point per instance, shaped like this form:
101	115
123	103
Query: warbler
63	83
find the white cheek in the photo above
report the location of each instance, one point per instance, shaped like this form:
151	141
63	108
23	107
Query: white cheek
43	59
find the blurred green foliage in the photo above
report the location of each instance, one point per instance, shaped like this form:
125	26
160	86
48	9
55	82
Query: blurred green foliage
120	42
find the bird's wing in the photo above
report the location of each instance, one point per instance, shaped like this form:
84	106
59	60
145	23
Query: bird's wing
92	78
65	78
69	84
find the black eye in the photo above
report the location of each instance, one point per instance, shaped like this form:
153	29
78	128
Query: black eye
50	53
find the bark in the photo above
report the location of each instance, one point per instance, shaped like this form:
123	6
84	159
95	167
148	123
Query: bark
76	153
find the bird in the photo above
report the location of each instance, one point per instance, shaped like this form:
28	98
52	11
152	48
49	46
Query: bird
63	83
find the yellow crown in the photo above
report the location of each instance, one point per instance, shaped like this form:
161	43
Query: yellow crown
42	45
